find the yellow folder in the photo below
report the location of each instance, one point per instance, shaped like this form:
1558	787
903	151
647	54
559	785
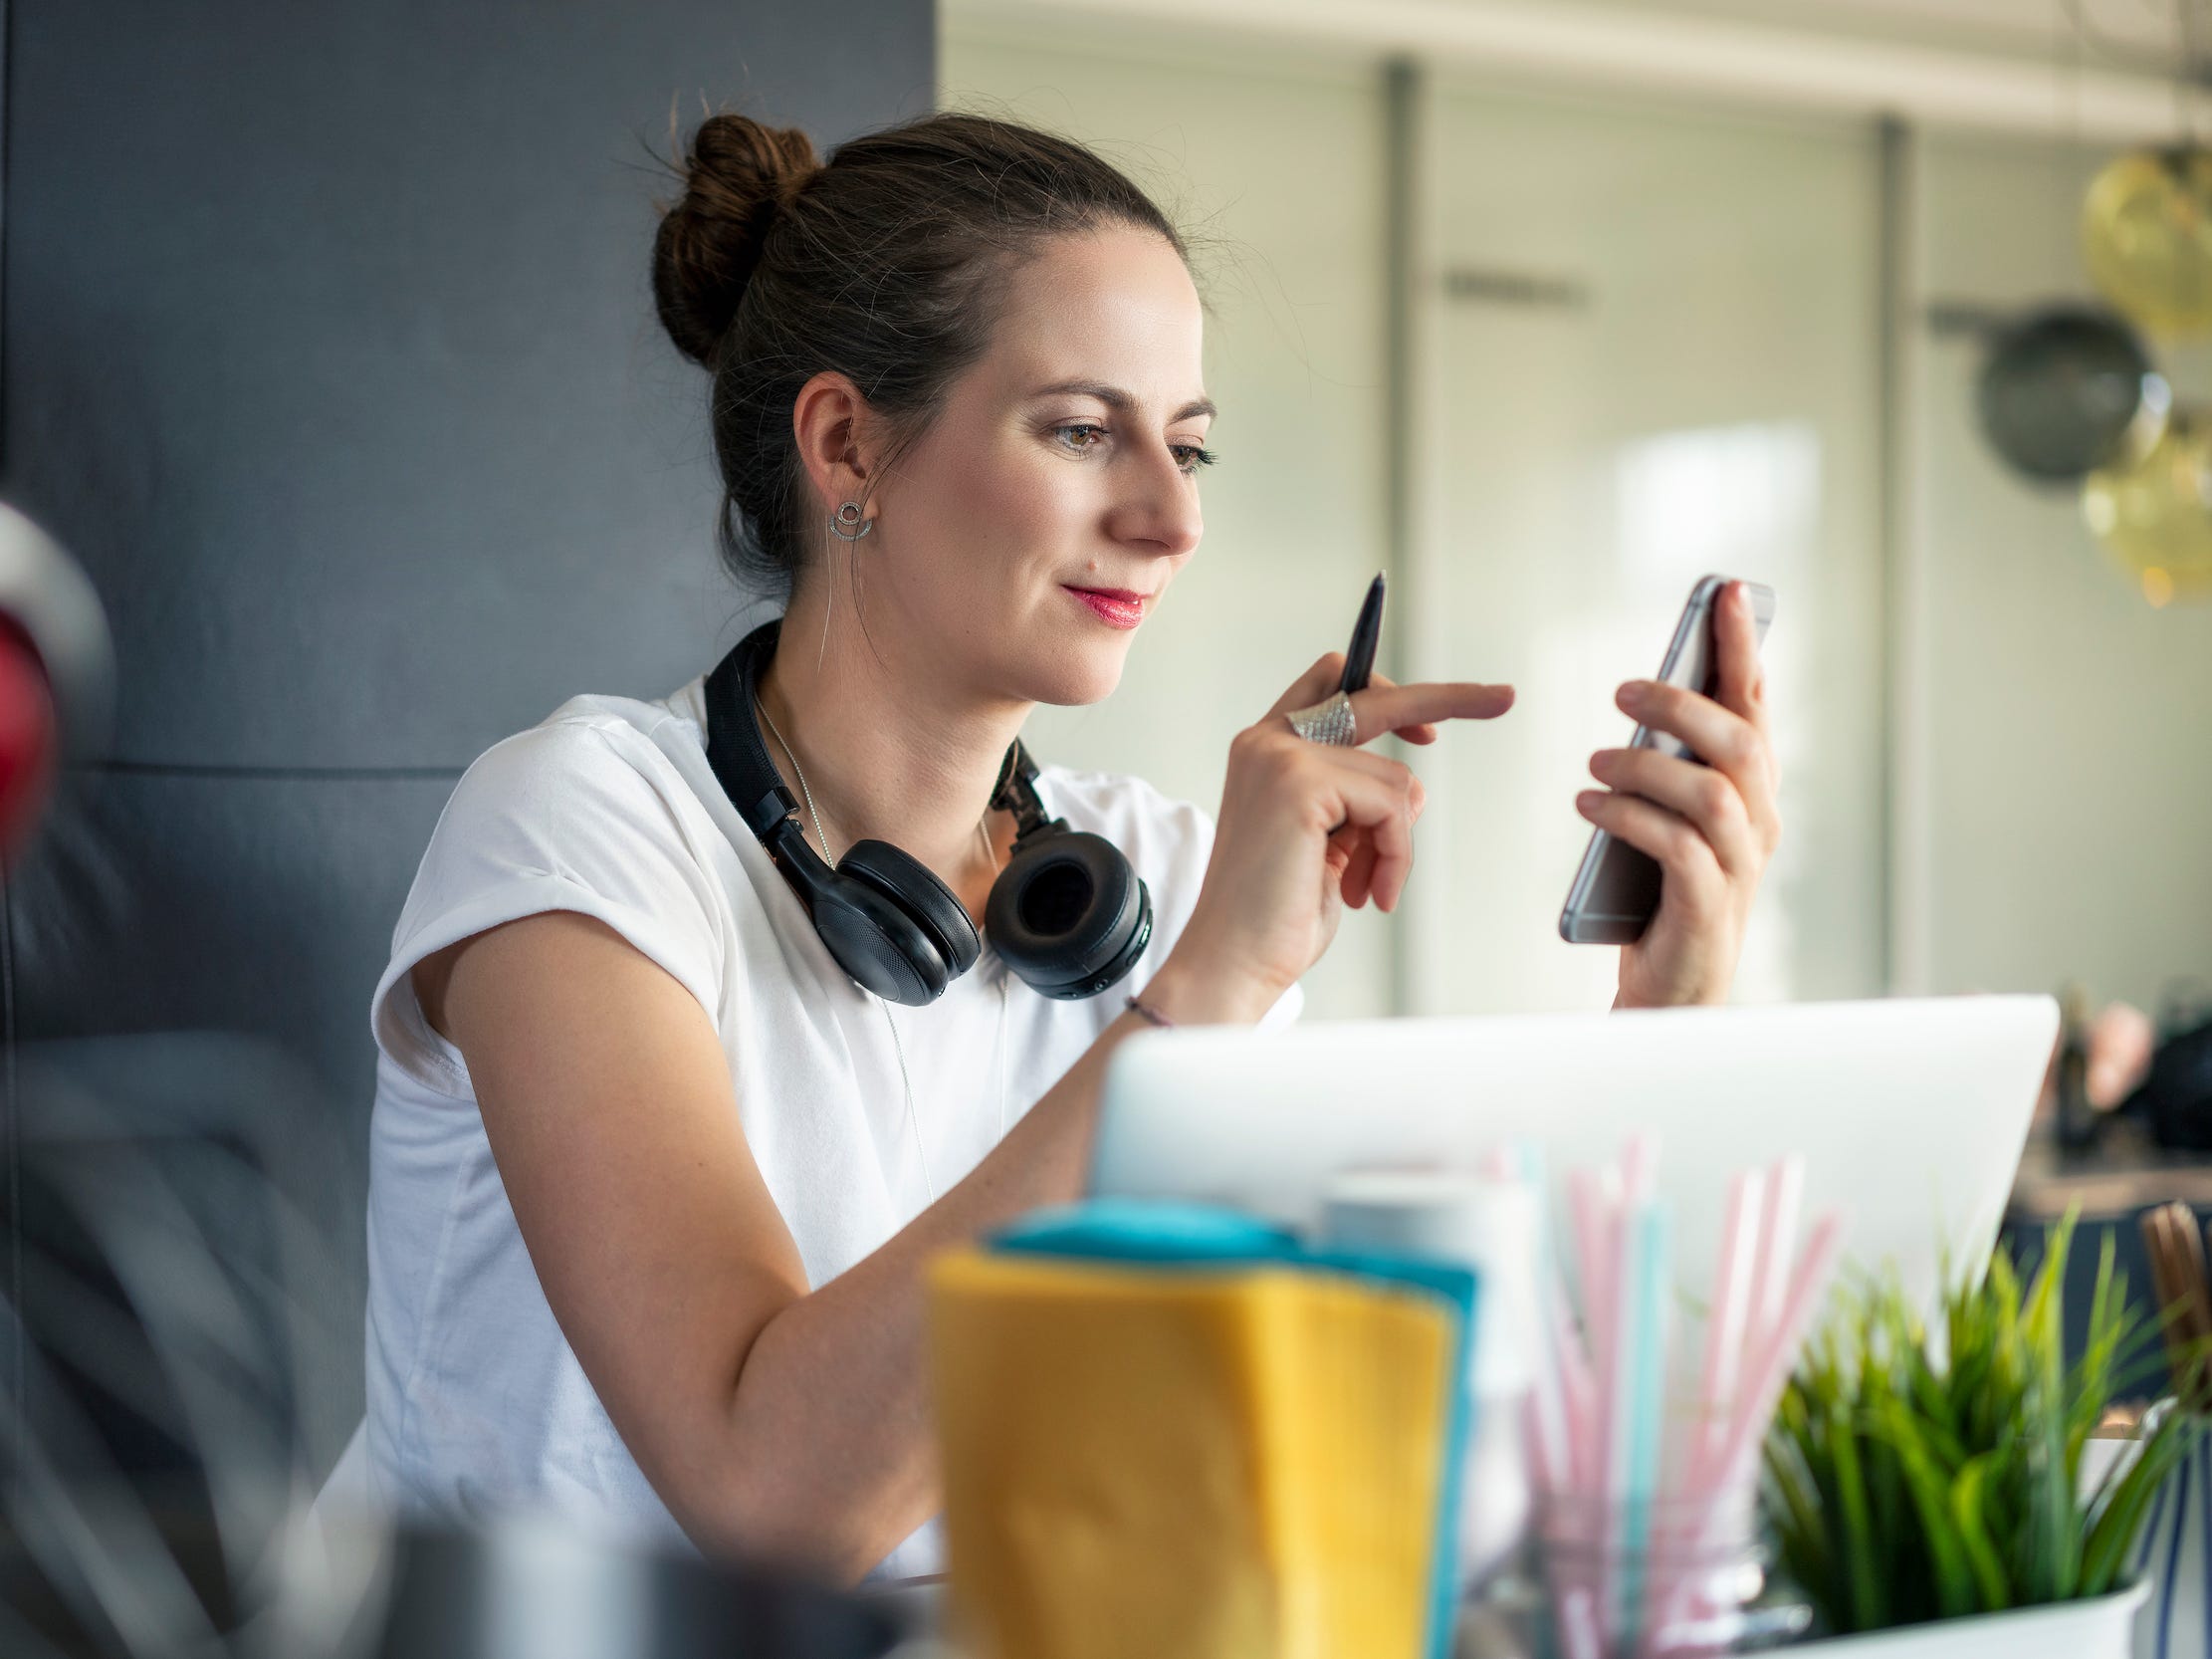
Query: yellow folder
1189	1463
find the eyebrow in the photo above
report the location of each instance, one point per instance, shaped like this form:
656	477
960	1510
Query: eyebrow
1119	401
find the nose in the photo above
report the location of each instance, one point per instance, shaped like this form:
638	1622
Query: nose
1156	506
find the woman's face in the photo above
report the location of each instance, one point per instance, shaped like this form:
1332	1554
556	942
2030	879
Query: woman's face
1035	526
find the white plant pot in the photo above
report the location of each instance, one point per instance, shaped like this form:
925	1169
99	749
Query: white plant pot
2097	1628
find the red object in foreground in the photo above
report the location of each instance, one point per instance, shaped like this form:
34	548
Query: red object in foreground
29	738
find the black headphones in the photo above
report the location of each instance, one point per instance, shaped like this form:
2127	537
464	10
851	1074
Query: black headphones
1068	914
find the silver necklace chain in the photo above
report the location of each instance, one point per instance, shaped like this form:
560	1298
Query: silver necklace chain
983	830
800	772
898	1047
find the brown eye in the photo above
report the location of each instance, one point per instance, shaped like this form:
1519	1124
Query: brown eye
1093	436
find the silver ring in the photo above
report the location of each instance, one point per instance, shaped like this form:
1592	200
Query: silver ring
1329	721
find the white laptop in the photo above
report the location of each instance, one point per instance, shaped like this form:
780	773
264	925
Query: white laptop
1910	1114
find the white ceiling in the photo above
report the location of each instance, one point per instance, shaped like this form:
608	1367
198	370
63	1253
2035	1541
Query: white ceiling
2142	32
2021	65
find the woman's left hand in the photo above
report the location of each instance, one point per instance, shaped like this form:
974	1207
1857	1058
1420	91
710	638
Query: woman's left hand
1711	828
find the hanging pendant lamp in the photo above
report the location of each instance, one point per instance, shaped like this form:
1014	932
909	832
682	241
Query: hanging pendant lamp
2067	390
2146	235
2155	514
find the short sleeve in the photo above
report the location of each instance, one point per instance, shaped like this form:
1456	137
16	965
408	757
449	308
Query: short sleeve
567	815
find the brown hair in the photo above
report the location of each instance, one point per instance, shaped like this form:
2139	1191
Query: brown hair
887	264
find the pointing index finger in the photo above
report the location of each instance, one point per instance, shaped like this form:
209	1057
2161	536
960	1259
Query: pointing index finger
1423	733
1396	708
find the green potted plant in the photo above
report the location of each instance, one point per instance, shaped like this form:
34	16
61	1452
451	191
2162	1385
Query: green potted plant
1911	1481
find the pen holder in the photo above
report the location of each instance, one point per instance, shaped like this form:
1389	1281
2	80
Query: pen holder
2174	1552
1663	1580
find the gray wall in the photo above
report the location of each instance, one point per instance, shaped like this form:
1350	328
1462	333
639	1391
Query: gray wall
329	348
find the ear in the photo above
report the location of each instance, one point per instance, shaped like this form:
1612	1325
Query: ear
833	426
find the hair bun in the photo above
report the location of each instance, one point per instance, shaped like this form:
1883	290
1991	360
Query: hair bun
737	175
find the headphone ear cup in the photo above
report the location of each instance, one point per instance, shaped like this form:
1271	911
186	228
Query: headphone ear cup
879	944
913	887
868	933
1068	915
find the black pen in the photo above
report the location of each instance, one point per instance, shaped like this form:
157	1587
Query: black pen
1367	634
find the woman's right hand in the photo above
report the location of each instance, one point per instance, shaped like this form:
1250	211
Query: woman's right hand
1305	828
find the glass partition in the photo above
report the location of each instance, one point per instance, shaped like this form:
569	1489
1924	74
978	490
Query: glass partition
1650	342
1656	356
2063	780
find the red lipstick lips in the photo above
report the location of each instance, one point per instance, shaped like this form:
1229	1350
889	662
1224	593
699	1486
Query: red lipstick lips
1117	607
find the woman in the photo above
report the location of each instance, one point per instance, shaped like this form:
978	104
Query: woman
653	1176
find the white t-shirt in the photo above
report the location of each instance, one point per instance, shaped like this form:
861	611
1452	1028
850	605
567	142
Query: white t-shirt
476	1403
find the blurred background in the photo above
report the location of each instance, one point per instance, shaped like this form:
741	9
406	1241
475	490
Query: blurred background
1551	309
326	353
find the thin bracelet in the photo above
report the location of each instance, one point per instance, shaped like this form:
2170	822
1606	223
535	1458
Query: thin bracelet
1146	1011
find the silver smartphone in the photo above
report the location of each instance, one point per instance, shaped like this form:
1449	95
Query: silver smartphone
1616	892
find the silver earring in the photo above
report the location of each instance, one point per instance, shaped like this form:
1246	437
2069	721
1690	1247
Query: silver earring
842	523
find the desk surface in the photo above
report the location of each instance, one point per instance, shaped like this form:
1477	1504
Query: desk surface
2122	1174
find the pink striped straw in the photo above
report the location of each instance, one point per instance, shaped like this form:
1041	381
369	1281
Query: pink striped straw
1727	1332
1777	1243
1549	1446
1593	1218
1592	1196
1558	1423
1724	1491
1579	1620
1593	1261
1727	1327
1639	1172
1771	1369
1578	1392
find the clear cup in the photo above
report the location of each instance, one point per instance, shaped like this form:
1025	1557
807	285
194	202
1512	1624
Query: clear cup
1671	1579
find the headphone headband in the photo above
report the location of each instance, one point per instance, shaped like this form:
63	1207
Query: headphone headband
1019	795
734	748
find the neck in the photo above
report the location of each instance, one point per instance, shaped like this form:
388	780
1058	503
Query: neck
892	749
